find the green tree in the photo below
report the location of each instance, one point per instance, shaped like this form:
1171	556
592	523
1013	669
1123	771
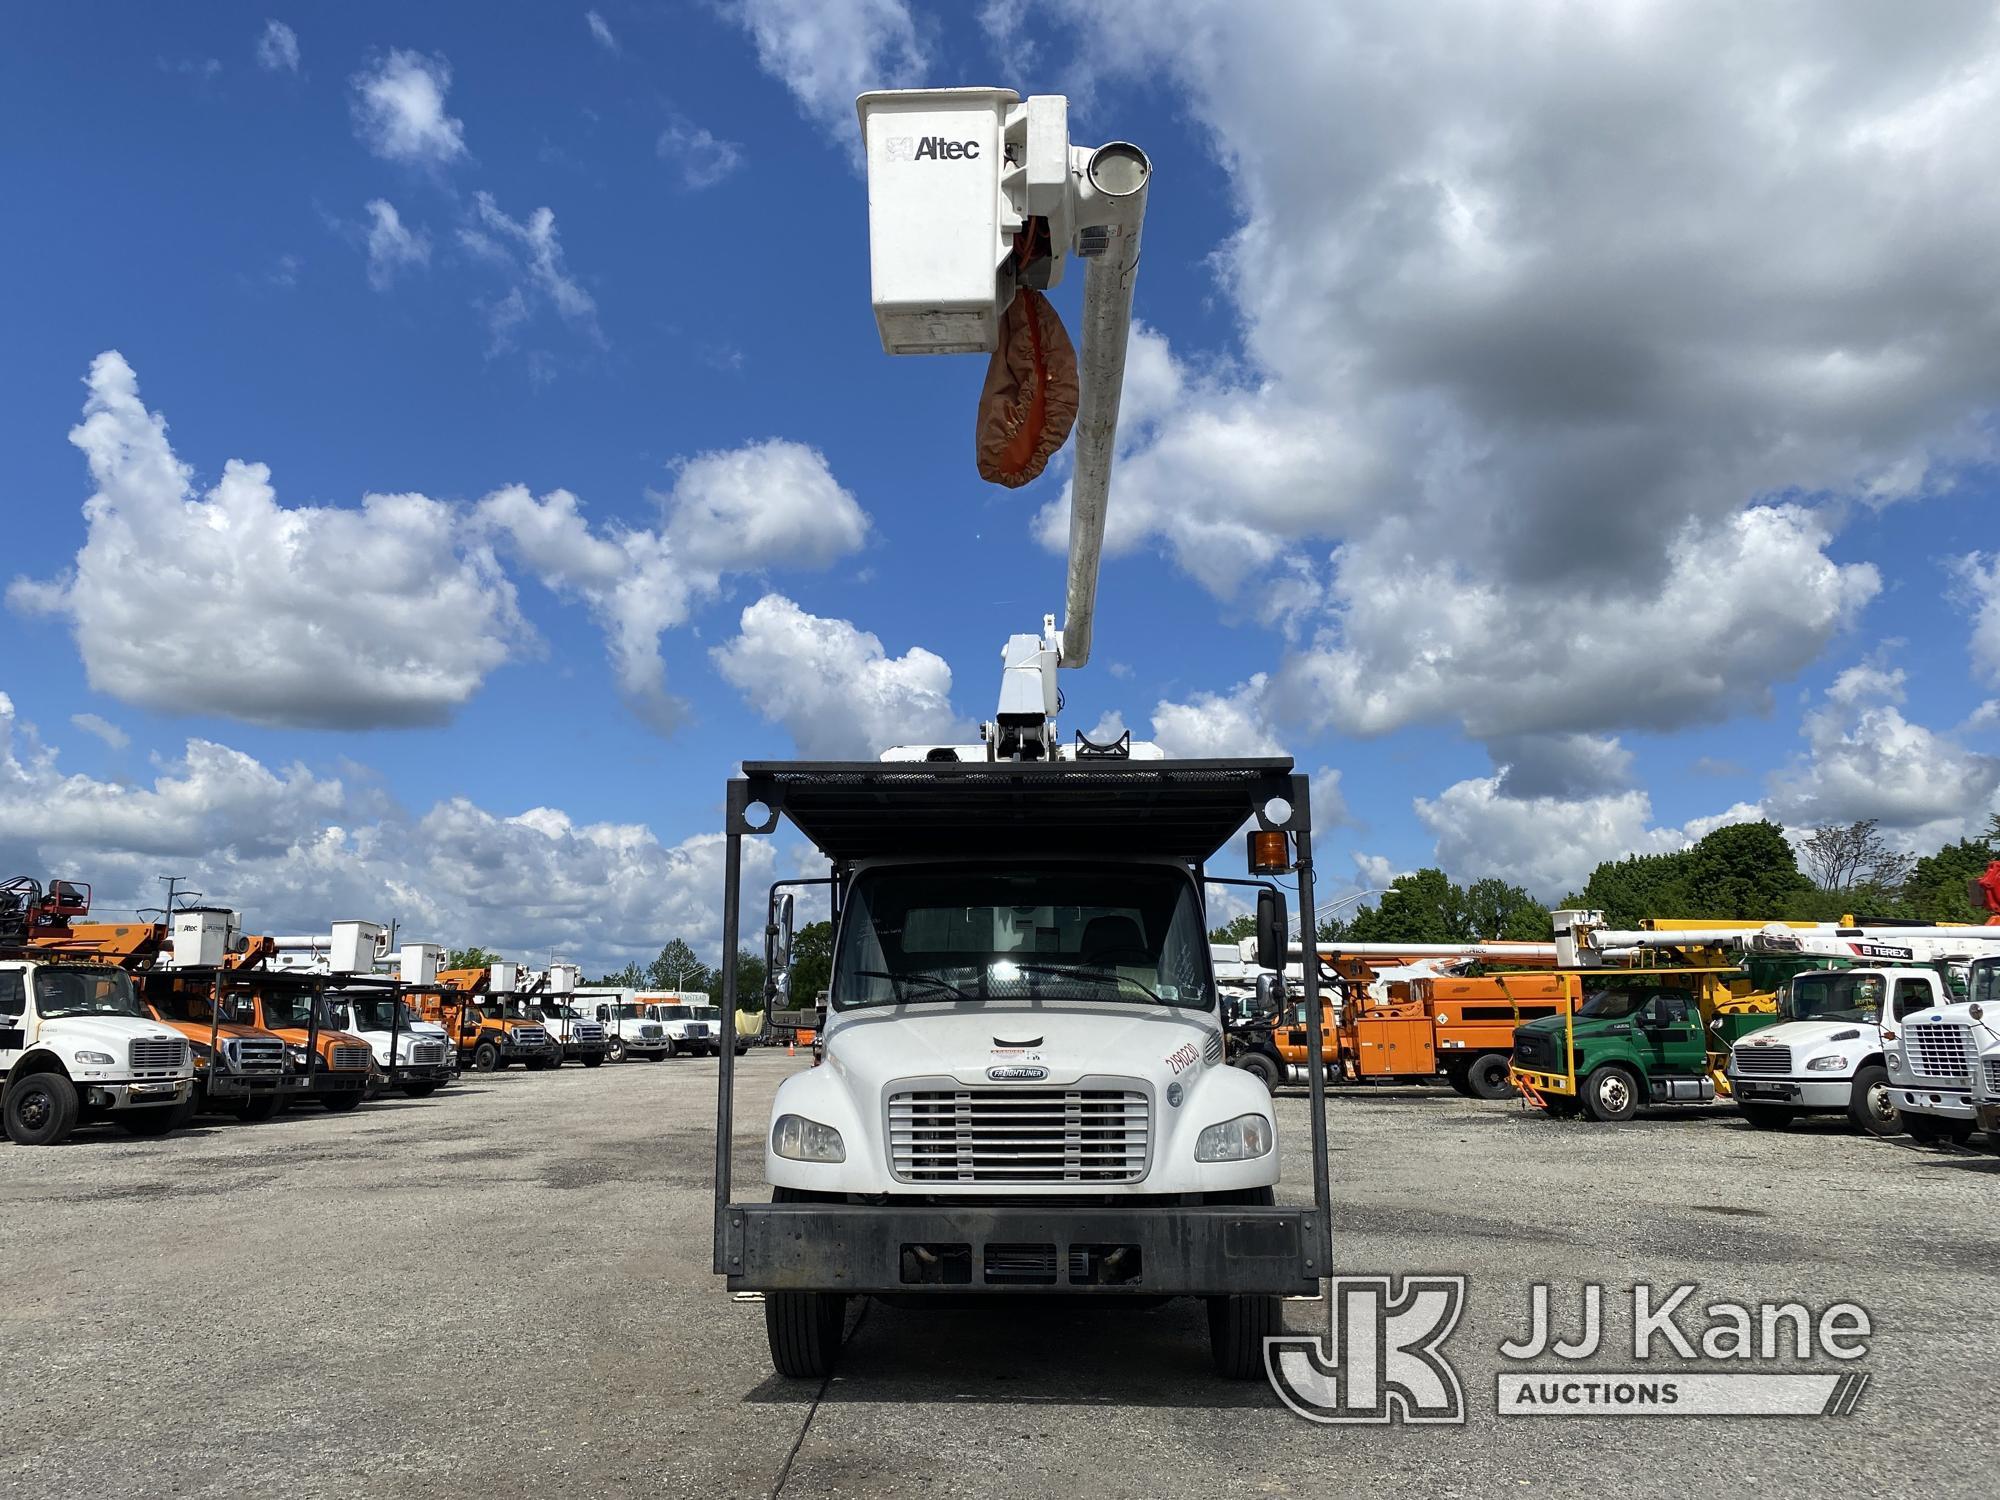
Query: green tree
677	968
1423	907
1936	887
812	963
471	958
1743	870
628	978
1237	928
1639	885
749	981
1495	909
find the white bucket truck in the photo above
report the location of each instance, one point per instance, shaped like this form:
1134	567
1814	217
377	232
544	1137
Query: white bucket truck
76	1045
1023	1088
1939	1055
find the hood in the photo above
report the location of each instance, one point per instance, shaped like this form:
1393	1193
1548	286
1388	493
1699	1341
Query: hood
1807	1035
1071	1041
102	1033
198	1031
1549	1025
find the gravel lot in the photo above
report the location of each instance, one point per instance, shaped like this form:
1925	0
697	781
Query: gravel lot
504	1290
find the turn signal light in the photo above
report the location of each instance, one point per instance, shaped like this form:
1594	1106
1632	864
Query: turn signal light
1270	852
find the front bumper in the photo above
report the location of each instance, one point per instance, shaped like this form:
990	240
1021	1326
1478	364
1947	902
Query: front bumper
1944	1102
1829	1094
252	1085
1532	1081
585	1049
416	1073
139	1094
1167	1251
345	1081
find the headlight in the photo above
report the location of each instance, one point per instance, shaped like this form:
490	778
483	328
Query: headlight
799	1139
1832	1064
298	1055
96	1059
1240	1139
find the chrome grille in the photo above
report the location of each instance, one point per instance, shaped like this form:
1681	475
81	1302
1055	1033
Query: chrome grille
1939	1049
652	1033
587	1031
159	1052
425	1054
256	1054
1019	1135
350	1055
530	1036
1993	1077
698	1031
1767	1059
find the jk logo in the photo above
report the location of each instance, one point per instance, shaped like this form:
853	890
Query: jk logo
1383	1363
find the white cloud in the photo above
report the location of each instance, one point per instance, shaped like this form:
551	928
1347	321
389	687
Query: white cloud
392	246
278	48
532	253
828	51
1518	383
600	32
292	850
699	157
1547	844
399	110
230	603
1211	726
103	728
773	504
1978	577
1560	765
833	688
1866	760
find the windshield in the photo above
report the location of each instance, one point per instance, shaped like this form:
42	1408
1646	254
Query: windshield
293	1012
628	1012
1612	1005
84	990
1066	932
1983	982
708	1013
672	1013
1835	997
380	1015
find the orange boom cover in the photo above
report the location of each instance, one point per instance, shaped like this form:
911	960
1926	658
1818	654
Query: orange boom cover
1028	404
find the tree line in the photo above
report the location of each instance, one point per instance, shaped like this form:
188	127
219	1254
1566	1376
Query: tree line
1738	871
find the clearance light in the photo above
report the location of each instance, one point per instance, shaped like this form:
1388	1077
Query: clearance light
1270	852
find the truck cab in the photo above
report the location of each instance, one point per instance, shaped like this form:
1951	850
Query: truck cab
411	1054
711	1016
577	1036
338	1065
1934	1050
76	1045
1824	1056
240	1069
688	1032
1983	1011
1023	1087
632	1031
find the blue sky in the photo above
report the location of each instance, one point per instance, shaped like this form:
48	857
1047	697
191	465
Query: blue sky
1446	457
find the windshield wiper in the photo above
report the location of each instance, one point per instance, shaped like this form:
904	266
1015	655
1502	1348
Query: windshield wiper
899	980
1079	971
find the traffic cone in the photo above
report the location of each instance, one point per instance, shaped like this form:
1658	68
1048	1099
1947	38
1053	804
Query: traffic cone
791	1049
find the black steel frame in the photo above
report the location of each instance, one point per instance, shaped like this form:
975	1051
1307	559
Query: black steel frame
1185	1251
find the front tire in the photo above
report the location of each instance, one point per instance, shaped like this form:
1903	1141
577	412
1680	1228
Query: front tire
1487	1077
593	1062
803	1328
157	1119
1264	1067
420	1090
1611	1095
40	1109
259	1108
1237	1328
1872	1106
486	1058
1933	1130
340	1104
616	1051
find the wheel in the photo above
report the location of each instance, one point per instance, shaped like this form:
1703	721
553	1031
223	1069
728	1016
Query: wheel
538	1065
673	1048
1487	1077
660	1056
1611	1094
1561	1106
616	1051
155	1119
1263	1066
486	1058
803	1329
1237	1328
40	1109
1872	1107
340	1104
1458	1081
420	1090
1931	1130
1764	1116
593	1061
259	1108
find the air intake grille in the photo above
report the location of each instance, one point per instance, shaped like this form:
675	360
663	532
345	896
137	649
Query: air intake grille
252	1054
1765	1060
530	1036
350	1055
1939	1049
159	1052
1211	1050
587	1031
1993	1077
427	1054
1019	1135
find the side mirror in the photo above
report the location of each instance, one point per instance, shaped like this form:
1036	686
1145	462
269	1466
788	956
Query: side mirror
1270	994
1270	929
778	939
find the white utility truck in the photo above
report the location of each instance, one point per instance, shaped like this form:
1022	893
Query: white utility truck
411	1055
76	1045
689	1033
629	1031
579	1036
1023	1088
1935	1050
1826	1056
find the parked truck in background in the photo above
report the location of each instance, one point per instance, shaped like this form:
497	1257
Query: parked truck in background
1938	1053
578	1036
630	1032
688	1034
491	1025
77	1046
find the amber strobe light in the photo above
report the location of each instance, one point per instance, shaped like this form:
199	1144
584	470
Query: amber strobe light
1270	851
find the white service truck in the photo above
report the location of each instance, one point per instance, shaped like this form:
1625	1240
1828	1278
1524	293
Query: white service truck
1826	1056
76	1045
411	1054
689	1034
1935	1049
629	1030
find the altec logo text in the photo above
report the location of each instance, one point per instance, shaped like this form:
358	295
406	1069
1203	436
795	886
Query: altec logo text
930	148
